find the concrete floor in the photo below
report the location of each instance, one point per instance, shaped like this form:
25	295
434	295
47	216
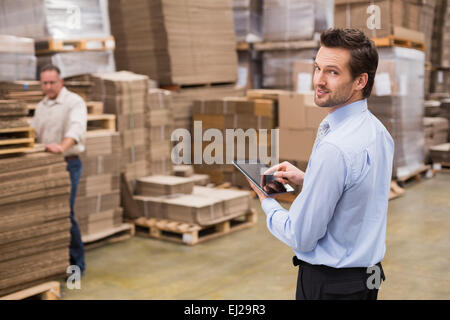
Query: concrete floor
252	264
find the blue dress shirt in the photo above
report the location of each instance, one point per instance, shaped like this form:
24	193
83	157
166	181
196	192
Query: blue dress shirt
339	218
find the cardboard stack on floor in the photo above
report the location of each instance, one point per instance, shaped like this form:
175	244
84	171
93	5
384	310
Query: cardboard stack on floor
29	92
125	94
173	42
231	113
397	101
35	225
288	28
179	199
52	24
17	59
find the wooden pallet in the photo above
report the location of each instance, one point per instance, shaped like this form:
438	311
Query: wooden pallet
243	46
413	176
395	191
121	233
101	122
45	291
395	41
441	167
179	87
59	45
16	140
94	107
192	234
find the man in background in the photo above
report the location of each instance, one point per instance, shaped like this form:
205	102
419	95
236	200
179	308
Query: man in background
60	122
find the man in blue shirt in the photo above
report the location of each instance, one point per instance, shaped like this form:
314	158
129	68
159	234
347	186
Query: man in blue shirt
337	224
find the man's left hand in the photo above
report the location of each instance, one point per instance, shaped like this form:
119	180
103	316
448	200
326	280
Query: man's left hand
258	192
54	148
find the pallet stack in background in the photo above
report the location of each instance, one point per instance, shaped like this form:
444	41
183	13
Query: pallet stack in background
35	228
74	35
17	59
125	94
173	42
290	32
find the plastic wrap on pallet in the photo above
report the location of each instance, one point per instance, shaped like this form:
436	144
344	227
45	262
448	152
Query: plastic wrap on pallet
80	62
17	60
247	20
285	20
278	67
55	18
398	102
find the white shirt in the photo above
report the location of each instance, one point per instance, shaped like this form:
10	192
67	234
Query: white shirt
63	117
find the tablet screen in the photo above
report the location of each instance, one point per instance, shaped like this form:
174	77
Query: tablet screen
254	170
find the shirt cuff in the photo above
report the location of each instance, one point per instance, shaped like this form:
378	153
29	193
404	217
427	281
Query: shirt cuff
270	205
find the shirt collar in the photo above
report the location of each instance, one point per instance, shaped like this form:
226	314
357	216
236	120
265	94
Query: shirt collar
59	99
341	114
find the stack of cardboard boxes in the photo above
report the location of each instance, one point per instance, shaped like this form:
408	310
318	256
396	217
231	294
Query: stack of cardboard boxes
97	205
35	225
398	102
247	20
436	132
159	127
125	94
179	199
173	42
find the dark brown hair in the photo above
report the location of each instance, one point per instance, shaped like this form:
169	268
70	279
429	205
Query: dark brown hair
51	67
363	53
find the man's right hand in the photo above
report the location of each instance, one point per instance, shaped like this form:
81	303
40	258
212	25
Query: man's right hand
286	172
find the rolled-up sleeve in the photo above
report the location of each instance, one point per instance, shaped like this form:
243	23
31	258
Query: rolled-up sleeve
305	223
77	121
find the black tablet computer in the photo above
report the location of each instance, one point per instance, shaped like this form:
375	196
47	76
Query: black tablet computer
268	184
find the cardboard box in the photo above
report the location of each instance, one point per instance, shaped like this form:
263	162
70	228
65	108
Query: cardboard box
163	185
303	76
296	144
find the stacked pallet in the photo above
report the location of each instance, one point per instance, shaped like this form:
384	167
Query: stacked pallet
247	20
16	135
35	228
97	206
441	154
17	60
245	118
159	127
185	43
125	94
178	199
398	101
440	58
73	35
29	92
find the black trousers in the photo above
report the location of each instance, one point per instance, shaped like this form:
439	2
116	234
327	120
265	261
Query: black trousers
319	282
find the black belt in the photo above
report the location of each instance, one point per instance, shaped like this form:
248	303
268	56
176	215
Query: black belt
297	262
69	158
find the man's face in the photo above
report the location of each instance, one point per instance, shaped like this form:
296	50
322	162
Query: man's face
333	83
51	84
